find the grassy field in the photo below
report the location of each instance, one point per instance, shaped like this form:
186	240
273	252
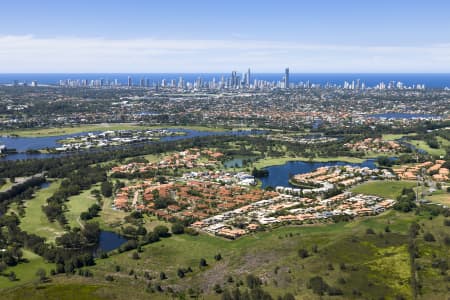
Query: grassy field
26	271
424	146
390	137
6	186
387	189
282	160
261	253
35	220
376	265
109	218
78	204
95	127
440	197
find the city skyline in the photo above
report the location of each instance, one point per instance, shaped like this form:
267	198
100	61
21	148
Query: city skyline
326	37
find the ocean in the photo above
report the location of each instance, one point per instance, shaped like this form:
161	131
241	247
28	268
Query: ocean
430	80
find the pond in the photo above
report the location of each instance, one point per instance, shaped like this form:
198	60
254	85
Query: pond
279	175
45	185
109	241
237	162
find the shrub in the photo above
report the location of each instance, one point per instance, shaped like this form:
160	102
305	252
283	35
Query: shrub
303	253
177	228
428	237
109	278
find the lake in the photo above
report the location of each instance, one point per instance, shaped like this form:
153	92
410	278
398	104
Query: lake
21	144
279	175
404	116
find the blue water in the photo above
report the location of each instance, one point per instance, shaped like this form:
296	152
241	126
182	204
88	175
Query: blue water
402	116
22	144
279	175
109	241
45	185
430	80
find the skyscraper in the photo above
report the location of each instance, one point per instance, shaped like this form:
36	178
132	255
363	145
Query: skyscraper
248	78
233	79
286	78
130	82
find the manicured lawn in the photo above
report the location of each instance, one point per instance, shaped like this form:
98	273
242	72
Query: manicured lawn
26	271
78	204
390	137
387	189
440	197
282	160
6	186
98	127
424	146
35	221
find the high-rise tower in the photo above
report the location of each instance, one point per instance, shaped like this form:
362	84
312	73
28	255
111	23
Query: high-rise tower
286	78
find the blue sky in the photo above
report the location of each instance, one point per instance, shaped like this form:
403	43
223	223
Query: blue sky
207	36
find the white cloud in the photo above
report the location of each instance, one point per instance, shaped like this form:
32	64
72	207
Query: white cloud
72	54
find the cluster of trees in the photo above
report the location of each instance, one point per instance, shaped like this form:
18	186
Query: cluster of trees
254	291
258	173
20	191
140	238
320	287
406	201
385	161
92	212
72	250
75	182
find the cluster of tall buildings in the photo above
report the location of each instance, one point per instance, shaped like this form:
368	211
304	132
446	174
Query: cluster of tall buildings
234	81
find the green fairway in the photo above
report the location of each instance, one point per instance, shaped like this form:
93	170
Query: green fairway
97	127
6	186
78	204
442	197
387	189
35	221
391	137
424	146
26	271
266	162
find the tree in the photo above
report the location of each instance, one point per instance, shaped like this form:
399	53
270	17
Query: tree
318	285
177	228
12	276
288	296
429	237
41	274
370	231
180	273
162	276
203	262
252	281
161	231
106	188
303	253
